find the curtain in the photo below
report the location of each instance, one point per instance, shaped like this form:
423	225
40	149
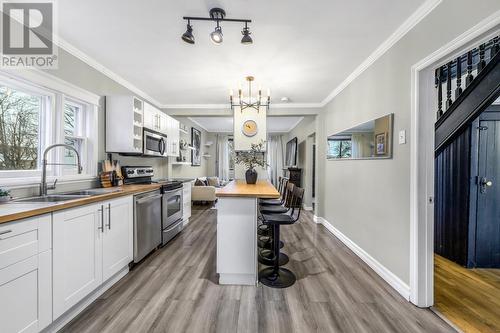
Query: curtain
274	158
222	159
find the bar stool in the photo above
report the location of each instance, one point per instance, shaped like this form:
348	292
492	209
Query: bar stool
265	241
282	182
276	276
264	230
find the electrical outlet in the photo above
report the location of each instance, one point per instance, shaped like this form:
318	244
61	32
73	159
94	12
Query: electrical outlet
402	137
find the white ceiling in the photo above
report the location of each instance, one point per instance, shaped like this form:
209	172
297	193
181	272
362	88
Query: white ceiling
302	50
225	124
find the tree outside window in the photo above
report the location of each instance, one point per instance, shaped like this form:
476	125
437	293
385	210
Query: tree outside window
19	129
339	148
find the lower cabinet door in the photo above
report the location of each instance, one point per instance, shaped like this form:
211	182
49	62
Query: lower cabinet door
25	301
77	255
118	237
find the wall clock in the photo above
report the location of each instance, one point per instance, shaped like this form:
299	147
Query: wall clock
249	128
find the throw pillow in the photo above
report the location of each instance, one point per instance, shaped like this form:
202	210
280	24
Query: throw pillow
199	182
213	181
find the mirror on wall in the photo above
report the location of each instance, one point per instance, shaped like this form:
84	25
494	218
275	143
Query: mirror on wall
369	140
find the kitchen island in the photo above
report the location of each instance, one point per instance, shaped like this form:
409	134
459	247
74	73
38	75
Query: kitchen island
237	212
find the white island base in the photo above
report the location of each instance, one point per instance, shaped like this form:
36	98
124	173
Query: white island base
237	231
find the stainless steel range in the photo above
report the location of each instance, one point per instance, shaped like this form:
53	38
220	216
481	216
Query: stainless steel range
172	222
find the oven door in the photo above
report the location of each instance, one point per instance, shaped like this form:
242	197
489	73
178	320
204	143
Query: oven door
171	207
154	144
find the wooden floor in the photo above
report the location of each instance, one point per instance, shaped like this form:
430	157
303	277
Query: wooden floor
470	298
176	290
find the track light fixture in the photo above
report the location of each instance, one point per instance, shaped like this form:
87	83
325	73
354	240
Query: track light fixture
216	15
188	35
246	36
216	35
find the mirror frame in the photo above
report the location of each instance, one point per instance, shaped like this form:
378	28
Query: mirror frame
391	141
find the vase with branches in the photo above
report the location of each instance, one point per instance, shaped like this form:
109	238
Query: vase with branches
251	159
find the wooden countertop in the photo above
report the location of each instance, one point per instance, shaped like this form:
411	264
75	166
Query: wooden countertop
239	188
12	211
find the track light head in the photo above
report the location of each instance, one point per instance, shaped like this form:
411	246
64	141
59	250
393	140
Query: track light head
188	36
216	35
246	40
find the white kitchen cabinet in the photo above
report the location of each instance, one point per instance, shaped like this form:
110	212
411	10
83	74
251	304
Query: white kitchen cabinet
186	200
173	137
25	275
152	117
77	255
91	244
125	119
155	119
118	235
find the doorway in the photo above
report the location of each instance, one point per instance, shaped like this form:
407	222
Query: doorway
467	226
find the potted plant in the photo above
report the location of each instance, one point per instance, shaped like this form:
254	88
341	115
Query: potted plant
250	159
4	195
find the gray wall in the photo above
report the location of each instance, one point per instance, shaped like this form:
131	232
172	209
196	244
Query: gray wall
369	200
304	132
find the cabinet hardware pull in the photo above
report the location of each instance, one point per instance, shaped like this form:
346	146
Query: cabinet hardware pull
5	232
102	219
109	216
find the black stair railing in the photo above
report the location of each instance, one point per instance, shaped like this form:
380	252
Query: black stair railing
468	65
458	103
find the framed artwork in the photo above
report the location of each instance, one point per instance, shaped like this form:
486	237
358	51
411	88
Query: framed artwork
196	144
381	144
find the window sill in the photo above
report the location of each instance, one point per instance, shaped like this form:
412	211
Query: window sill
27	182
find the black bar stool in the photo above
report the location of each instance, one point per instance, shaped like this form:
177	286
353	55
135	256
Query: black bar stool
283	181
265	240
276	276
263	229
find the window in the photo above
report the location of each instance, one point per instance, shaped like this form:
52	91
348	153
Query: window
31	119
230	143
74	134
339	148
20	125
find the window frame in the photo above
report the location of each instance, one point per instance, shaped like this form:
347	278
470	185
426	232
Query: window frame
52	128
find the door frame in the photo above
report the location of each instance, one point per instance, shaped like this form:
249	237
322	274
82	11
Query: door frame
422	158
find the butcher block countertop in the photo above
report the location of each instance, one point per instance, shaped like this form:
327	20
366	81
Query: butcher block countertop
239	188
12	211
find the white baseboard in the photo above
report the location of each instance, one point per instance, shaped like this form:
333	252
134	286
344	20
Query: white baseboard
307	207
395	282
65	318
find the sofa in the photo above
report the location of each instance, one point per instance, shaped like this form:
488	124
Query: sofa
203	190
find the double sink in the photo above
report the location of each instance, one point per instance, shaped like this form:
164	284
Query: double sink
61	197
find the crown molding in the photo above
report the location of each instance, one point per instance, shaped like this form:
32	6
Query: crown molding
227	106
291	128
400	32
295	125
65	45
198	124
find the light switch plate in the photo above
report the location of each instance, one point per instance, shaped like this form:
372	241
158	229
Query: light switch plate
402	137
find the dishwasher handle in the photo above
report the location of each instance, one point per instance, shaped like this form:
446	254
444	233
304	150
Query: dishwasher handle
148	198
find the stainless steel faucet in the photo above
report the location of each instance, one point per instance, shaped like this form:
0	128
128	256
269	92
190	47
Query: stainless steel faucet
43	183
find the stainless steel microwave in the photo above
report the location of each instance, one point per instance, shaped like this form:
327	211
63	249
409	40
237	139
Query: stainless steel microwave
154	144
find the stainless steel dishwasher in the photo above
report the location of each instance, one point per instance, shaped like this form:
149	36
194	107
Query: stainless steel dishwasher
147	223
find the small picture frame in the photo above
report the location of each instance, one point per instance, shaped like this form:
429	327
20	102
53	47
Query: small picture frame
381	143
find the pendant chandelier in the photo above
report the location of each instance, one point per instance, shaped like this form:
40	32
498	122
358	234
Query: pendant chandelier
248	101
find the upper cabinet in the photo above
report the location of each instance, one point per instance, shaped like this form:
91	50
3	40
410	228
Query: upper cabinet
124	123
126	116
